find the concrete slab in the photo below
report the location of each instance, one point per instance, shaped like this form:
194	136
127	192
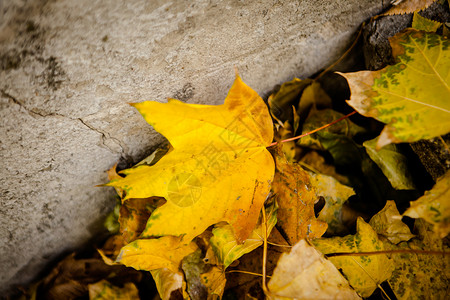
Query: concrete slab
68	69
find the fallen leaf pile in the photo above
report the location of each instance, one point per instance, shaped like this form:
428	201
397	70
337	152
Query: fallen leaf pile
343	210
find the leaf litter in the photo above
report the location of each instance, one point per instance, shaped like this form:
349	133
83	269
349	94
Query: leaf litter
191	214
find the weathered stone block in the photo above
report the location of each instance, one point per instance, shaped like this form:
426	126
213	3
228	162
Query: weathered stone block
68	69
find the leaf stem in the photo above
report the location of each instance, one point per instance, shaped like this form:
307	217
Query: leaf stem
278	245
264	262
247	272
425	252
315	130
444	143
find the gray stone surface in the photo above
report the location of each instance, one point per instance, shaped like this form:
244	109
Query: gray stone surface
68	69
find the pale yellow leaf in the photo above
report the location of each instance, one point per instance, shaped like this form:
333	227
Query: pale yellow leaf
168	283
305	274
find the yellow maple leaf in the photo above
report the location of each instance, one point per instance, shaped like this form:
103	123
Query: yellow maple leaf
219	168
151	254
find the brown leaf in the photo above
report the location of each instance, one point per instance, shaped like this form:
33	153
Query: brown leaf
296	199
134	214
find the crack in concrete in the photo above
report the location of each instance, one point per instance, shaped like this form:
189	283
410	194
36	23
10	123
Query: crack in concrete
105	135
31	112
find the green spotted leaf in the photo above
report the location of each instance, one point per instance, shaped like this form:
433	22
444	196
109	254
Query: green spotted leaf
393	163
410	97
420	276
364	273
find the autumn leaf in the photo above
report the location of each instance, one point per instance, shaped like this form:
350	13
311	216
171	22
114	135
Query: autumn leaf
193	266
409	6
285	132
410	97
112	175
111	248
103	290
364	273
392	163
305	274
420	276
319	118
335	195
434	206
424	24
170	284
219	168
296	198
71	277
288	96
312	99
111	222
214	280
150	254
336	139
134	215
226	247
388	223
315	162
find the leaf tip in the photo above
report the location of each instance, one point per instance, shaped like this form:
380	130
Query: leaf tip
383	139
236	72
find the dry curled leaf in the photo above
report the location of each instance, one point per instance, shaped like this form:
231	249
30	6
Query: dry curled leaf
388	223
296	197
